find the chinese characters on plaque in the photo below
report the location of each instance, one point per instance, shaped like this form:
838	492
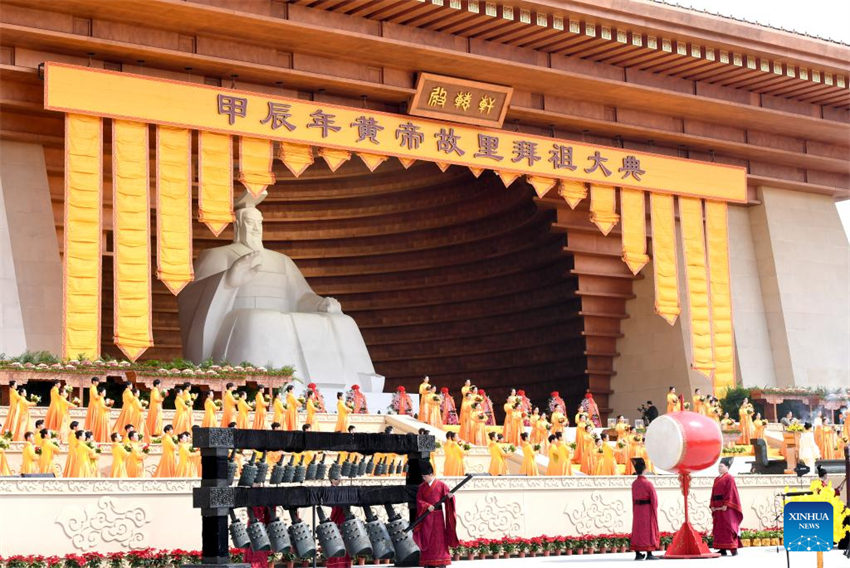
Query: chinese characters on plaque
407	135
460	100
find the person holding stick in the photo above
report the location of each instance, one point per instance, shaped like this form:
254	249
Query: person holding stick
436	533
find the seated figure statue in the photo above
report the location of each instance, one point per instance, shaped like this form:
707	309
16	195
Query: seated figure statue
248	303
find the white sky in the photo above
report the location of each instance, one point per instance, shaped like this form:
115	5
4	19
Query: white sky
824	18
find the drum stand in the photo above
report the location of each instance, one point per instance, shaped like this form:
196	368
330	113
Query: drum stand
687	543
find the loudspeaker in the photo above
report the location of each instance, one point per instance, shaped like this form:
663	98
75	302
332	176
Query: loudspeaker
51	475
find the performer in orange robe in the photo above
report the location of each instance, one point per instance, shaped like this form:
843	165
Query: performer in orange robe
555	466
529	465
182	410
312	409
498	457
209	411
4	464
588	451
698	405
167	462
448	412
581	431
758	427
465	422
153	423
453	466
436	533
342	412
119	455
242	410
726	510
672	400
435	417
292	405
479	425
185	464
50	419
126	410
607	465
49	448
12	415
645	536
29	463
95	382
228	406
423	390
260	409
507	426
135	463
100	418
23	423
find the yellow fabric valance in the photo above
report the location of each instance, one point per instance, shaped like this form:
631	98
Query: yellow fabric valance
633	215
215	180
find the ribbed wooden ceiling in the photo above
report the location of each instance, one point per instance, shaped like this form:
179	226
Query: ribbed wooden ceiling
445	274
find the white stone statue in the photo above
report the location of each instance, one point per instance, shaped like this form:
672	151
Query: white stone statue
248	303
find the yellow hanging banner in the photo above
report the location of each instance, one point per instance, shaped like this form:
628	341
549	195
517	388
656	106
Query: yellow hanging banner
665	271
82	244
696	277
573	192
174	207
633	213
70	88
215	180
603	207
255	164
717	229
131	235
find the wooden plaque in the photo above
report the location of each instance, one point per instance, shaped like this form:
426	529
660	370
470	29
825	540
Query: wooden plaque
460	100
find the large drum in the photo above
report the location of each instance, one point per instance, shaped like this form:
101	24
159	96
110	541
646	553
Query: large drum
683	441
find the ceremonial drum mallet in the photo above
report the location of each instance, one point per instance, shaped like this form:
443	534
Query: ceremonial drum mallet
684	442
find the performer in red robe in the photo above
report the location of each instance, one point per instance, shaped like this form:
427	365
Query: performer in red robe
435	534
645	536
448	411
726	510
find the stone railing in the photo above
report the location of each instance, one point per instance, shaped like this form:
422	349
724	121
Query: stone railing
60	516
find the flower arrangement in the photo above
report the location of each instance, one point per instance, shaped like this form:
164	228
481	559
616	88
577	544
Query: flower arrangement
794	427
35	399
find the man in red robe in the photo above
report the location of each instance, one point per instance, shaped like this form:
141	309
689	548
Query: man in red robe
645	537
726	510
436	533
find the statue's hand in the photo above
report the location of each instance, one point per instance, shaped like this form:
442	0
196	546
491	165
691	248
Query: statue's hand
331	306
244	269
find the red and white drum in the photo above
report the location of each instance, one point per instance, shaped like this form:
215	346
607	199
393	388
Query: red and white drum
683	441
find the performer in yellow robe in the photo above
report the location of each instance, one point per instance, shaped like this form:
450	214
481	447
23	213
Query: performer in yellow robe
745	414
566	461
508	425
555	466
228	406
830	441
90	410
71	458
758	427
423	390
63	415
73	466
698	405
463	418
167	466
153	423
50	421
292	405
435	417
24	423
12	416
119	456
673	400
517	423
185	464
4	464
279	409
541	429
49	448
580	435
342	412
261	407
87	457
453	466
180	422
209	411
29	463
100	418
479	425
135	463
126	409
498	457
588	451
607	465
312	409
529	465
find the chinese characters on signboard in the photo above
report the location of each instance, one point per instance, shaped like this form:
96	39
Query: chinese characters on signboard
409	136
460	100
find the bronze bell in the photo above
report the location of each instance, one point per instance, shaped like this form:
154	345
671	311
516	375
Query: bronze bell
327	533
370	466
238	532
311	468
249	472
406	551
277	473
278	533
289	470
262	470
355	536
361	467
257	533
346	467
354	467
300	536
321	468
300	471
232	466
381	468
382	546
335	471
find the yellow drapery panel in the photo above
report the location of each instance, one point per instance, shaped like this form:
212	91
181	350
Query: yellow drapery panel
603	207
541	185
296	157
696	276
372	161
255	164
215	180
334	158
407	162
665	272
507	177
633	212
717	228
132	238
573	192
82	243
174	207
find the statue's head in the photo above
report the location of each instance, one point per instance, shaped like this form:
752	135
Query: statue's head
249	228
